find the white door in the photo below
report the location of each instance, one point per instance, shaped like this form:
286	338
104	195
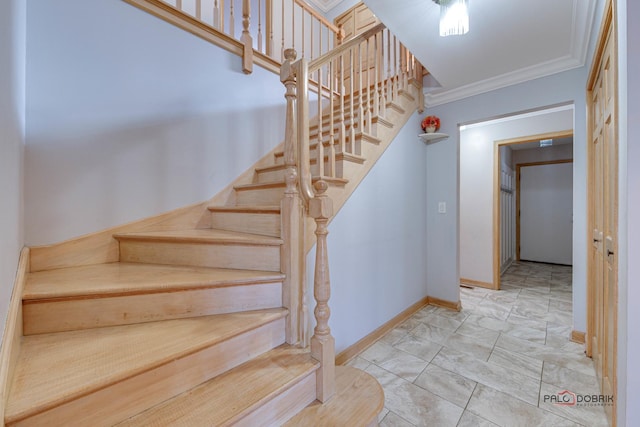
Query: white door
546	213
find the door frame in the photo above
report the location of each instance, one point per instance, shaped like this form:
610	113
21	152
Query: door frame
496	190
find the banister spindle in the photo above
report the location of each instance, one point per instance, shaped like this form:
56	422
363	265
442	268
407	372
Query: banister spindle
343	129
352	130
216	16
245	38
360	93
331	163
269	27
260	26
376	76
320	146
322	343
367	111
232	19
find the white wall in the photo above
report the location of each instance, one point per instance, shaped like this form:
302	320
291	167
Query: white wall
629	211
129	116
377	243
477	145
546	213
12	122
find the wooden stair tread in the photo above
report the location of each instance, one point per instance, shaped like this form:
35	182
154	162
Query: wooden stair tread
358	400
205	235
133	278
226	398
55	368
247	209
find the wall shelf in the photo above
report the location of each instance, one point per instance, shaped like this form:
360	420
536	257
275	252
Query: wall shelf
430	138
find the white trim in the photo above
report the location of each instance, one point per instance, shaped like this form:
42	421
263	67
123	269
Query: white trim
583	16
324	5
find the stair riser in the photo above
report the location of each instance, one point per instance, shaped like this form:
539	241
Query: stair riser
265	224
282	407
237	255
75	314
262	196
122	400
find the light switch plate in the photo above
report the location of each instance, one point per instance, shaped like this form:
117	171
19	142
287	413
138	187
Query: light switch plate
442	207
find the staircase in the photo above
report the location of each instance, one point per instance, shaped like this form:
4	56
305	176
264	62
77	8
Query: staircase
206	325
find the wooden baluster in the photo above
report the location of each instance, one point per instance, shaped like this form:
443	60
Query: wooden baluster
199	10
343	129
320	147
269	27
382	89
322	343
360	94
405	66
292	216
282	31
260	26
310	32
396	80
367	111
232	19
247	41
331	163
179	4
389	75
216	16
293	25
352	130
303	34
376	76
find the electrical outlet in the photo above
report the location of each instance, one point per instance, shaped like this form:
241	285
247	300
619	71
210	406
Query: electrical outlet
442	207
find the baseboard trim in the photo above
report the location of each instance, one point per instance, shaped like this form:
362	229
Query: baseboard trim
578	337
451	305
477	283
352	351
10	351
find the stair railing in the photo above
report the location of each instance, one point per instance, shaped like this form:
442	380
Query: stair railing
264	27
348	89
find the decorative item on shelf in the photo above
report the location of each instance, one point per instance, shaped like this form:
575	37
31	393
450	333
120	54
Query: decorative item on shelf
430	124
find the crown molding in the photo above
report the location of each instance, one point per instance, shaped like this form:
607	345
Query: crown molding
582	27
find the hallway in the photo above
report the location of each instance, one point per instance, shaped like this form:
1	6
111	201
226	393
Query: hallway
497	362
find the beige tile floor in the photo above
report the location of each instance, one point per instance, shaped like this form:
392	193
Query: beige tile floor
493	363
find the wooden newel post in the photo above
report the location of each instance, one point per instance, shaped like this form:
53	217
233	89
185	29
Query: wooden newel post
246	39
292	216
322	343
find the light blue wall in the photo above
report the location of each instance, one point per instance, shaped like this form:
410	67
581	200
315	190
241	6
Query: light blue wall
377	244
129	116
12	120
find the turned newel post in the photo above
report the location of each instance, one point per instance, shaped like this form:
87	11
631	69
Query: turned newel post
291	216
246	39
322	343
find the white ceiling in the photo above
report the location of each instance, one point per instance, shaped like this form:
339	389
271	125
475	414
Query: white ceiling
509	41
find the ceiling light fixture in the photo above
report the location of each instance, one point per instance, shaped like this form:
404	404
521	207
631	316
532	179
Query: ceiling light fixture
454	17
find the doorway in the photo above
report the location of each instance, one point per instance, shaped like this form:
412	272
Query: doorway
545	163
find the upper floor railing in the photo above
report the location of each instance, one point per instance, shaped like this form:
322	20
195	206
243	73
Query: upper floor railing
263	27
